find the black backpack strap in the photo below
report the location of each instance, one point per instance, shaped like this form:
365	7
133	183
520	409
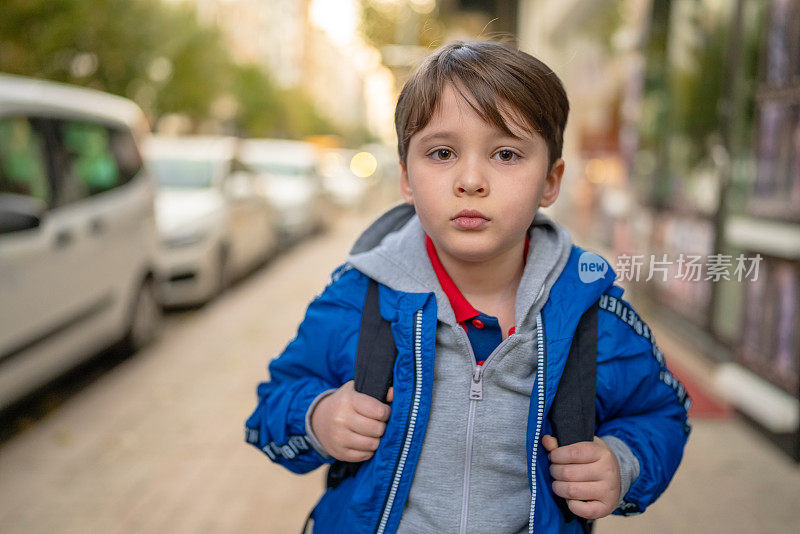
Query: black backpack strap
376	349
374	370
572	414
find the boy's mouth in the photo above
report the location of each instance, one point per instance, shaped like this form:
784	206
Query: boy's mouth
470	219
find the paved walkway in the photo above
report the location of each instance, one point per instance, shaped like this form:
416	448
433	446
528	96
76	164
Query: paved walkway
156	445
731	480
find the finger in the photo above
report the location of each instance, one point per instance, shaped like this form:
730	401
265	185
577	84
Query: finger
550	443
578	472
584	452
588	509
360	443
371	407
582	491
351	455
366	426
390	395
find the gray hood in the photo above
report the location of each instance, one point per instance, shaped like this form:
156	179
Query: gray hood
392	251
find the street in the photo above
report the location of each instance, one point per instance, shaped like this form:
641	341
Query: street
156	444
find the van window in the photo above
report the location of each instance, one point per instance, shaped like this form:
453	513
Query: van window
126	153
23	163
95	158
89	165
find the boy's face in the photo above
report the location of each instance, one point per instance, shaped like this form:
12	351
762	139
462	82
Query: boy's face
475	189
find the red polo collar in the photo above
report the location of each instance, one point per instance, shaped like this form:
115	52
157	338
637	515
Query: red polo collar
462	308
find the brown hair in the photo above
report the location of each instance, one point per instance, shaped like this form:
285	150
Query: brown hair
497	75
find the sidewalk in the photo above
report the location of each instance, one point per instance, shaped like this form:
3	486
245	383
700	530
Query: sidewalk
732	478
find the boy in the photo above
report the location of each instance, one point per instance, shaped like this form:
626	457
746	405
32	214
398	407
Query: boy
483	294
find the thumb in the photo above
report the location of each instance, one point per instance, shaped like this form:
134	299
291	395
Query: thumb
390	395
550	443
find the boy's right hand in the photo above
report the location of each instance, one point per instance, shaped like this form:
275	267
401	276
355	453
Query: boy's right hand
349	424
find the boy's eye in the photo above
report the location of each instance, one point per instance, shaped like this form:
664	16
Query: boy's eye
506	155
442	154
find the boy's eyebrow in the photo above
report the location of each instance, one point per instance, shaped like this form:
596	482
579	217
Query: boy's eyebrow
437	135
444	134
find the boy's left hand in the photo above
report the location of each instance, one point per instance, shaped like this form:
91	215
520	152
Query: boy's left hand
586	474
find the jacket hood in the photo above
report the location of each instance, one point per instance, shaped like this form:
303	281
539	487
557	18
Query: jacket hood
392	251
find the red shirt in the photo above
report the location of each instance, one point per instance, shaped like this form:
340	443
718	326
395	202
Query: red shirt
464	311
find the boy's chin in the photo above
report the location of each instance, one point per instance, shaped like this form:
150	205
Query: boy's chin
471	251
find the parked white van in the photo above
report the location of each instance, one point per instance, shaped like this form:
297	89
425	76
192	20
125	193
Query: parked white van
78	240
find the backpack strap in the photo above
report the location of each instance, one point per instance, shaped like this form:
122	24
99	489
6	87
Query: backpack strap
374	370
376	349
572	414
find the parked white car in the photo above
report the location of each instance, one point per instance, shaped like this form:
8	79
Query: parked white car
290	183
342	185
77	231
214	225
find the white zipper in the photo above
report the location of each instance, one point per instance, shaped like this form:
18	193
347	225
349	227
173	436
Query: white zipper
539	415
411	424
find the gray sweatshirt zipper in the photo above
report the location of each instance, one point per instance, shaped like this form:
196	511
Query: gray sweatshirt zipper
465	490
475	395
412	421
540	413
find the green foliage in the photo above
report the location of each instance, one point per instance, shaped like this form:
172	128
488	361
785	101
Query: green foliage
267	111
111	45
200	65
382	24
157	54
379	22
697	90
259	102
43	37
602	26
299	117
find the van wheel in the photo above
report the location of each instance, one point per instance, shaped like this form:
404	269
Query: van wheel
145	319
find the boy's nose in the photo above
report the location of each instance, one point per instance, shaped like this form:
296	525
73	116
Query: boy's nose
471	182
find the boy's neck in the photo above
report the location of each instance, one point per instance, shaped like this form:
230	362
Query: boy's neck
490	286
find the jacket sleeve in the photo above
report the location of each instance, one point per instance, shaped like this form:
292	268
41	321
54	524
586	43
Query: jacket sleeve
639	401
320	358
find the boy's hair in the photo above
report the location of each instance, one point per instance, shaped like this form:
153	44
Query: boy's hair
497	75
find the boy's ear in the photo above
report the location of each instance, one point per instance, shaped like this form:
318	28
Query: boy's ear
405	185
552	183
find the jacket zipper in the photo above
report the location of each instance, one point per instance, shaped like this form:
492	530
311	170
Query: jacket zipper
539	415
412	421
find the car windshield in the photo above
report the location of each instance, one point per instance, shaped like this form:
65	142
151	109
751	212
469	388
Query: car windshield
184	173
282	169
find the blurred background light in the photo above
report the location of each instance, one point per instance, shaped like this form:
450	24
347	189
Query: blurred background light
363	164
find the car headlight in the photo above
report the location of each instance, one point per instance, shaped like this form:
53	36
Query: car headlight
185	239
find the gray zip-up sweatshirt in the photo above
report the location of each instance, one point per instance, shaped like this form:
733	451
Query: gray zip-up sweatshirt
471	476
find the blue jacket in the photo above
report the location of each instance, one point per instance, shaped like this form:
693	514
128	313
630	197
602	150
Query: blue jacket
638	400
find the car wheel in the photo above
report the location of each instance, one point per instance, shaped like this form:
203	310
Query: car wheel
145	318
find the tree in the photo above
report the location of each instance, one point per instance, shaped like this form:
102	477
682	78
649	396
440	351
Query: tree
157	54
